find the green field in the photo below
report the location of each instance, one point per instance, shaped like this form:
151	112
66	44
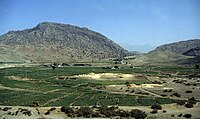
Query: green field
45	88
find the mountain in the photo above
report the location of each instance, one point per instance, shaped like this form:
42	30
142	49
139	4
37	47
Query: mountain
135	52
56	42
178	53
180	47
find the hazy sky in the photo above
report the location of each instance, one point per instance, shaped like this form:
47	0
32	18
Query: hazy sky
134	24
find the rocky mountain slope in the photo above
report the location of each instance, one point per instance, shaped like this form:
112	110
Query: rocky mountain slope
180	47
193	52
55	42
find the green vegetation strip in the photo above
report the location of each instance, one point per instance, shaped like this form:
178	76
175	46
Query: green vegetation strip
46	87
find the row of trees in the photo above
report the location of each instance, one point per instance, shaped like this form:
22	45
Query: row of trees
102	111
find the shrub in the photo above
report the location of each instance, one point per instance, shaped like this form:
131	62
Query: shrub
145	93
26	112
47	113
138	114
36	110
127	83
132	91
187	84
164	111
188	91
67	110
156	82
156	106
178	81
9	113
177	94
180	102
53	67
123	113
34	104
189	105
127	91
192	100
96	114
163	95
62	109
52	109
180	115
84	112
197	66
116	67
154	111
138	93
108	111
170	90
113	108
167	90
65	64
187	115
194	84
6	108
94	106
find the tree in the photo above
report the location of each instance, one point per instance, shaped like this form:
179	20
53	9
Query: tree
116	67
53	67
187	115
67	109
156	106
108	111
176	94
84	112
123	113
189	105
197	66
138	114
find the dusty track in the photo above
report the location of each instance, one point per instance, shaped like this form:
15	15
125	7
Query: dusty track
17	89
56	99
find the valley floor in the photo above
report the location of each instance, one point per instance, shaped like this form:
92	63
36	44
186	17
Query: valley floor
128	88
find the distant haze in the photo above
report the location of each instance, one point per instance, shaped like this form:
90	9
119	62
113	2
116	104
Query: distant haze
139	25
141	48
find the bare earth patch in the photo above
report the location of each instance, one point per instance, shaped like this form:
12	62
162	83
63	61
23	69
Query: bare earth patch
20	78
16	89
106	76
